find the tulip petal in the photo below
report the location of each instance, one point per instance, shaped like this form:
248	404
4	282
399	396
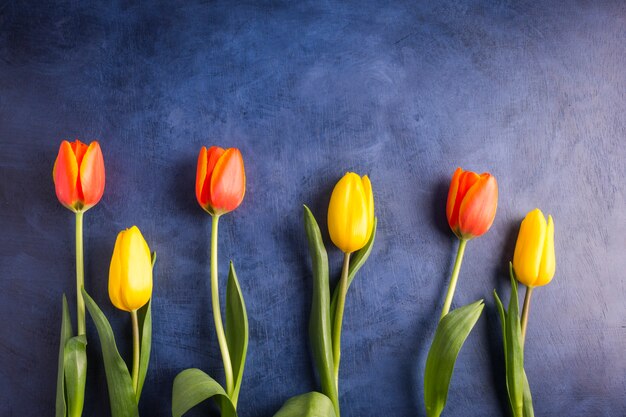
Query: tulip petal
206	163
92	177
369	199
548	259
452	199
115	274
130	273
355	214
228	181
529	247
79	149
201	173
348	221
338	212
467	181
478	209
65	174
136	278
461	183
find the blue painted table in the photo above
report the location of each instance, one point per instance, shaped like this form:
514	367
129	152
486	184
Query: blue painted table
533	92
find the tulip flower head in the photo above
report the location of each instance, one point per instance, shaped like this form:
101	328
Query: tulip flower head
130	274
472	203
78	175
351	212
220	179
534	260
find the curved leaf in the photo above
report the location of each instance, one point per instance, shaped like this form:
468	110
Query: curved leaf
356	262
145	332
311	404
518	390
528	399
75	359
319	324
514	355
502	314
119	383
66	334
450	335
192	386
236	330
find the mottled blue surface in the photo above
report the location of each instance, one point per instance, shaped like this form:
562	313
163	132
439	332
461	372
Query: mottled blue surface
534	92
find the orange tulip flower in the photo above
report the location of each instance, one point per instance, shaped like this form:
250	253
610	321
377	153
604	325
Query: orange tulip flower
472	203
220	179
78	175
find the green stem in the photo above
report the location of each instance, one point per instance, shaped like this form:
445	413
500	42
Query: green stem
217	313
525	312
454	278
341	302
133	315
80	274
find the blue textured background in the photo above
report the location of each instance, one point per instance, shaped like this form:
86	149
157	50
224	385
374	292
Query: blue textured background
534	92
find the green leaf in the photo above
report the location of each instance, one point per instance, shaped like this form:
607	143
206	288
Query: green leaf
145	334
66	334
311	404
450	335
501	312
528	399
192	386
236	330
356	262
518	390
514	354
119	383
75	359
319	324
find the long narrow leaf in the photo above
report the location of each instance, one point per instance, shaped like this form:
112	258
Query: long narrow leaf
119	383
236	330
66	334
528	399
450	335
75	354
311	404
514	355
319	324
145	334
356	262
192	386
518	390
501	312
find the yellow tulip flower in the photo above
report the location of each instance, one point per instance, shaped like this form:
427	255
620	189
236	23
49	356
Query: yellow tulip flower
534	260
351	212
130	274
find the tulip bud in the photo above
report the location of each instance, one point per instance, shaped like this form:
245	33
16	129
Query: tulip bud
351	212
78	175
220	179
472	203
534	261
130	274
